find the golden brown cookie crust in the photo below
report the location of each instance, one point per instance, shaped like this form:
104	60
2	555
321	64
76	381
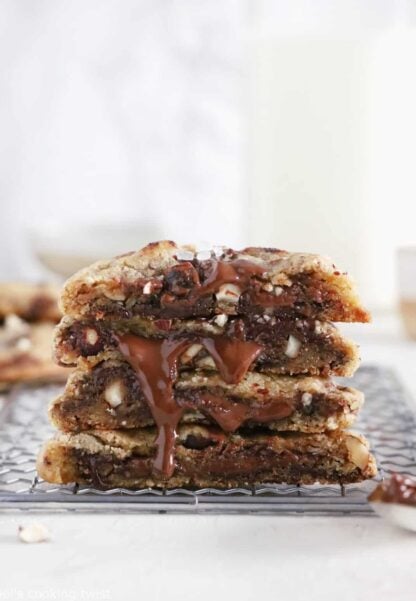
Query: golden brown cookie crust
145	282
109	397
121	459
320	350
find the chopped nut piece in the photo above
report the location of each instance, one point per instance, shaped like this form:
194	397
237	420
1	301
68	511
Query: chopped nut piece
221	320
268	287
358	451
331	423
115	295
293	346
228	293
207	362
91	336
34	533
278	290
190	353
114	394
306	399
147	289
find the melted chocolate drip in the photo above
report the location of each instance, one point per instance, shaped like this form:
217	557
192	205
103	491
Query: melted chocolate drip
230	415
232	357
236	271
155	362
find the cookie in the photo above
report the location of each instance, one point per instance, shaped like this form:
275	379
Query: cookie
163	280
205	457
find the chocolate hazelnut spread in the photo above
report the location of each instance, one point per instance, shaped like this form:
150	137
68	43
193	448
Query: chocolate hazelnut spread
156	365
232	357
230	415
397	489
235	271
185	287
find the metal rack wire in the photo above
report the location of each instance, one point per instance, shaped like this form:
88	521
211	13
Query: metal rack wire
386	420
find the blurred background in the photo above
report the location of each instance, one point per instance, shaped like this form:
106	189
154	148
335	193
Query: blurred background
280	123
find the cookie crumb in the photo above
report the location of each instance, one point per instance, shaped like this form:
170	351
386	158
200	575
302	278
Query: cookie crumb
35	532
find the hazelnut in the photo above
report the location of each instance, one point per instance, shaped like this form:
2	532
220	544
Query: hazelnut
114	394
306	399
34	532
358	451
190	353
207	363
115	295
229	293
293	346
331	423
91	336
281	279
147	288
221	320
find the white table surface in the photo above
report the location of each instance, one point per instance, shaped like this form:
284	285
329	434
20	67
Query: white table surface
220	557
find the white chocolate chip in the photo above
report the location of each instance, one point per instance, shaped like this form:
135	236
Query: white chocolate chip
190	353
114	394
207	363
34	533
306	399
268	287
221	320
358	452
91	336
23	345
228	293
278	290
147	289
293	346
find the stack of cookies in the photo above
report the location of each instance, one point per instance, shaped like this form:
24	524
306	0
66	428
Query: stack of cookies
206	369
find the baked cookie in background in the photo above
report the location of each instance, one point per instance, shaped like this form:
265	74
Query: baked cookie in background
28	314
31	302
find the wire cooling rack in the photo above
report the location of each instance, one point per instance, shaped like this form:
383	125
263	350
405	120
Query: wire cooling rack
386	420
